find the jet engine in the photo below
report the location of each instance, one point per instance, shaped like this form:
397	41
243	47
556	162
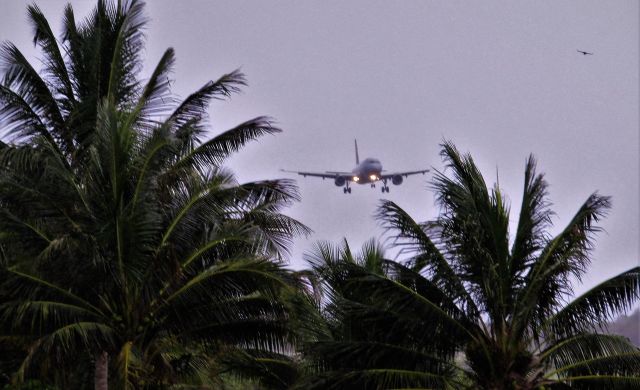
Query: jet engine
396	180
340	181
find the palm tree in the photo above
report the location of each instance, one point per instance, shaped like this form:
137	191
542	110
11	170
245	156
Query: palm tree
362	342
125	245
499	307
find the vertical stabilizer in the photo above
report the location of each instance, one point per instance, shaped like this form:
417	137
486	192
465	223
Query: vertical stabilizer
357	158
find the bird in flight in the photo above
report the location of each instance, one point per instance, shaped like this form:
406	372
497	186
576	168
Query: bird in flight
584	53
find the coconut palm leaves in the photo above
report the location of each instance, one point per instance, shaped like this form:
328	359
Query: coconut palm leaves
121	232
500	309
378	324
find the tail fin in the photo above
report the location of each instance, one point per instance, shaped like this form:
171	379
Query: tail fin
357	158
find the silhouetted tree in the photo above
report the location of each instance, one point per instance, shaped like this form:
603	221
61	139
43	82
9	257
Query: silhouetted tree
473	306
124	243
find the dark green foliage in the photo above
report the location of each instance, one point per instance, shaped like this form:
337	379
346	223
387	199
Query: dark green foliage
471	306
378	328
120	229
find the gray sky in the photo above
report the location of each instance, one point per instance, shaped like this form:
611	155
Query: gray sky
501	79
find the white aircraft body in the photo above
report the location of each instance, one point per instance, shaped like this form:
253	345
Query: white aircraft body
369	171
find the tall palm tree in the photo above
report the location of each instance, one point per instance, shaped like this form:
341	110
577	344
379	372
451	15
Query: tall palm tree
499	307
124	243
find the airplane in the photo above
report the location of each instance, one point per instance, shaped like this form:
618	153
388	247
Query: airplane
369	171
584	52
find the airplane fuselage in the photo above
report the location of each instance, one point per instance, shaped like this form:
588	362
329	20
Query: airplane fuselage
368	171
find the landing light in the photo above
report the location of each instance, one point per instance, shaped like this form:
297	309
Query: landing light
356	178
373	177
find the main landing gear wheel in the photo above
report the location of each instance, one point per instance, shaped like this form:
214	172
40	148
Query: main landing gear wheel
385	189
346	190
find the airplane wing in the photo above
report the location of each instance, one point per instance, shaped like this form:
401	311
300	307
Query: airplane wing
324	175
404	174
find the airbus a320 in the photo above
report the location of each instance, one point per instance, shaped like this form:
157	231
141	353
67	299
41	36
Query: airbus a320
369	171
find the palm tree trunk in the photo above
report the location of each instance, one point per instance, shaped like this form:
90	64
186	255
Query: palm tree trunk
101	379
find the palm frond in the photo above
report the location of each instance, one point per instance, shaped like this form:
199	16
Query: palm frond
218	148
392	295
155	98
613	382
584	347
270	370
350	354
273	233
155	150
621	365
474	230
55	64
413	238
29	282
234	278
78	336
535	217
126	61
18	119
40	316
22	78
565	255
596	307
193	108
384	378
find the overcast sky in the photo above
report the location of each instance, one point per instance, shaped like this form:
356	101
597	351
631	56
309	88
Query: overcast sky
501	79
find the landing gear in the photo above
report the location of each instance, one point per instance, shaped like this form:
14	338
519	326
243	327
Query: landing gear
346	190
385	187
